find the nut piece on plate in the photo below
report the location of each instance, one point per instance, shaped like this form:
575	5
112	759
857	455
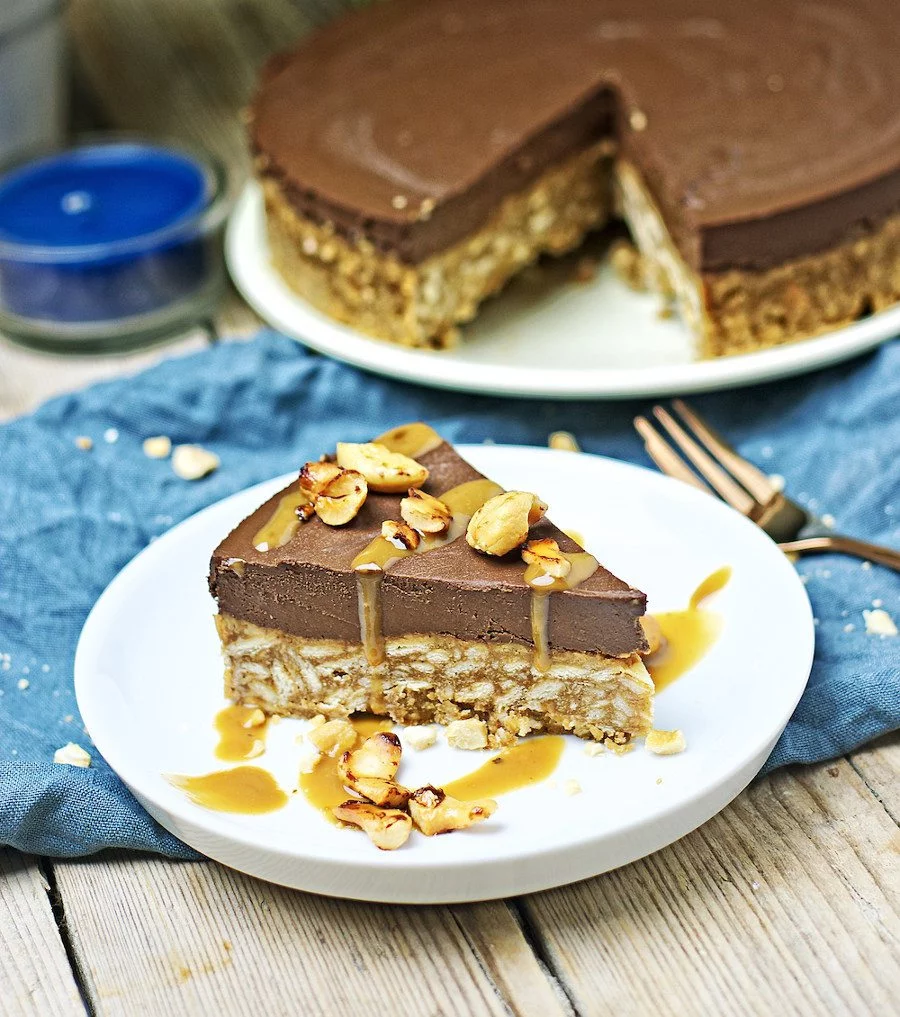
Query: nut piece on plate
369	771
72	755
308	756
388	829
333	737
653	634
385	471
501	524
435	812
424	513
255	718
666	743
467	734
546	553
158	447
341	498
419	737
400	535
83	442
191	462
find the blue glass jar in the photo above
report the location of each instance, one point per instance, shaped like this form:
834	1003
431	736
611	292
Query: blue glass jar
109	244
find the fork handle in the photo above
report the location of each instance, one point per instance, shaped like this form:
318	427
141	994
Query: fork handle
845	545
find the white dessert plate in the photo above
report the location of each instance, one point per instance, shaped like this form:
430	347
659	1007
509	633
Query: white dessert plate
148	677
557	339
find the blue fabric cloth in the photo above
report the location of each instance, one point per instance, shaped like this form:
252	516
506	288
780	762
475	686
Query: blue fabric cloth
69	520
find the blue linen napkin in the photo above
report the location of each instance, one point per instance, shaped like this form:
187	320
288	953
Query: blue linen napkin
70	519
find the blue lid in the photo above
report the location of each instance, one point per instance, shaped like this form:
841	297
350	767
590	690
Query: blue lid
108	197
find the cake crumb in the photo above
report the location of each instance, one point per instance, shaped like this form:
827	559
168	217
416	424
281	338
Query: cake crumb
419	737
157	447
777	481
571	787
316	721
849	627
84	443
563	441
659	780
72	755
308	756
878	602
594	749
256	718
23	683
666	743
866	566
628	265
879	623
191	462
637	120
110	436
828	520
467	734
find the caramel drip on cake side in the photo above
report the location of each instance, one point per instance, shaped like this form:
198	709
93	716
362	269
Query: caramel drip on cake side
583	566
686	636
411	440
380	554
283	522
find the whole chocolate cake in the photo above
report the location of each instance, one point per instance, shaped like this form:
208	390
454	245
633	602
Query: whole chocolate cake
418	153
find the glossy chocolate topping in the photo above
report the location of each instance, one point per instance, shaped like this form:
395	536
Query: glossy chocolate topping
307	586
765	130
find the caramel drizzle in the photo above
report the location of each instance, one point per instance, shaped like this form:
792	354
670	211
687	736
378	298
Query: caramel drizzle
283	522
583	566
380	554
411	440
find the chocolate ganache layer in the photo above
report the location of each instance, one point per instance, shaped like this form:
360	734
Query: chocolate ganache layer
765	131
307	587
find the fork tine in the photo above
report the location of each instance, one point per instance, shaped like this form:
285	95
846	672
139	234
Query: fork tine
665	457
727	488
756	482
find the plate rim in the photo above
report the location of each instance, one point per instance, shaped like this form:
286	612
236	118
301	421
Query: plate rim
254	278
203	825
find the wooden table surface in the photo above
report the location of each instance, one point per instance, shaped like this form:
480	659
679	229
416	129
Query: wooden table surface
785	903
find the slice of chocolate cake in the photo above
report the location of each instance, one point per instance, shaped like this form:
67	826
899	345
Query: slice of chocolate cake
395	579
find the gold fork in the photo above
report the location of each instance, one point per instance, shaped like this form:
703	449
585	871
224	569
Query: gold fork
743	486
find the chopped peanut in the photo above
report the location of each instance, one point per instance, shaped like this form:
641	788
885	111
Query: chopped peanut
467	734
502	522
333	737
385	471
666	743
388	829
435	812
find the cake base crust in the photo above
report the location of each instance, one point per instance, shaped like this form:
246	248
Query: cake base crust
744	310
421	305
435	678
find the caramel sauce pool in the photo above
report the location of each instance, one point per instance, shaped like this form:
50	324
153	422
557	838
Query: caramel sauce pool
237	741
529	762
688	635
245	789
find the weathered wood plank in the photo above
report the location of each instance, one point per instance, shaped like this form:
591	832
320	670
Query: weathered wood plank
27	378
153	936
35	977
879	766
784	903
